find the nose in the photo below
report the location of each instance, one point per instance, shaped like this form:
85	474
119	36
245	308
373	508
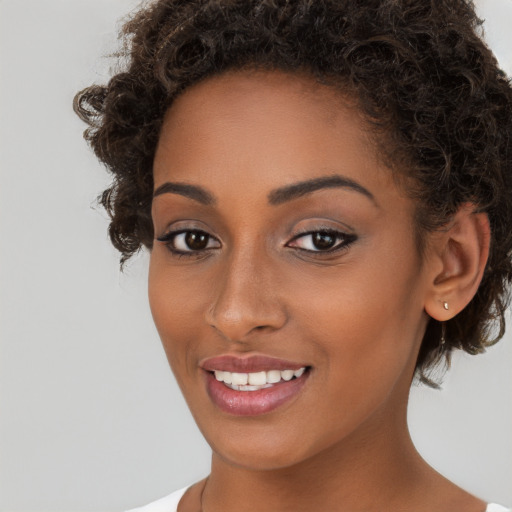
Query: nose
246	298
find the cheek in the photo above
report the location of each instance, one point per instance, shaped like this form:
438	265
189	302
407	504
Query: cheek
175	307
366	320
362	347
364	368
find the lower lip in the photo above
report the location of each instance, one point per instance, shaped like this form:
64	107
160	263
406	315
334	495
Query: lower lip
253	403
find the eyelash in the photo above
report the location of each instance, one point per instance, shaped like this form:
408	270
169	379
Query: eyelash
347	240
169	238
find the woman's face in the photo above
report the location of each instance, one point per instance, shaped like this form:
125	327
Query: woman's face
282	248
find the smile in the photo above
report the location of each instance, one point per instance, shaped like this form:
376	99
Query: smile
256	380
255	385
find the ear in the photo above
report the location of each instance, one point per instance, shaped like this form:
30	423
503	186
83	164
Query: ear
457	259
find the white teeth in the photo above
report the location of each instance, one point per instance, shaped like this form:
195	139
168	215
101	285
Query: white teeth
239	379
223	376
287	374
256	380
248	388
273	376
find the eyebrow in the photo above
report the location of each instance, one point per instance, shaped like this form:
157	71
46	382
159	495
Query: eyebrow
289	192
275	197
199	194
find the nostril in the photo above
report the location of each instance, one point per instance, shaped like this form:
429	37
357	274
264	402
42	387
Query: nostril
236	317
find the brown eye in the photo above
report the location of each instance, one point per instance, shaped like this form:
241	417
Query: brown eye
323	241
196	240
190	241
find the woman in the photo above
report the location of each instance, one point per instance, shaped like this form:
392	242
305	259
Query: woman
325	191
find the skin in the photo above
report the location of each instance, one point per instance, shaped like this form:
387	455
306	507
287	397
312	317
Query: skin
355	316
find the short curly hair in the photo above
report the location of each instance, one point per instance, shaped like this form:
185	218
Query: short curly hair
439	107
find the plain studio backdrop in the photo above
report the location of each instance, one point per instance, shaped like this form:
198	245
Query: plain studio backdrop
90	416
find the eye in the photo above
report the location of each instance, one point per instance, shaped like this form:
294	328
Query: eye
324	240
189	241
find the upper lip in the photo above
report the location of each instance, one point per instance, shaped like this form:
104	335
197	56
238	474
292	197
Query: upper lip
251	364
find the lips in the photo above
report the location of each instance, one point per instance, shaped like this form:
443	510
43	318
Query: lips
253	385
252	364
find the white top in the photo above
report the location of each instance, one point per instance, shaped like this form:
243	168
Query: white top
170	504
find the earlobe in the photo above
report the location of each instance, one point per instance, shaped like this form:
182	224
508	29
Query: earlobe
459	258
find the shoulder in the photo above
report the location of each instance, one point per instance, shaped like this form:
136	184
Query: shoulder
493	507
166	504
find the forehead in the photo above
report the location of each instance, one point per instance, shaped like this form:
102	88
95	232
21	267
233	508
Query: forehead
238	89
264	126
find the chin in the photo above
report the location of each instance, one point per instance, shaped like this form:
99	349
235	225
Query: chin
258	458
265	447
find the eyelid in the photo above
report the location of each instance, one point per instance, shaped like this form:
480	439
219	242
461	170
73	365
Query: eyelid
171	233
347	240
181	225
169	236
344	240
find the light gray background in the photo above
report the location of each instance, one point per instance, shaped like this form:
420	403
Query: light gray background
90	416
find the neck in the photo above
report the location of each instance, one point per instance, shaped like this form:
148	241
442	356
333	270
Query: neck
375	466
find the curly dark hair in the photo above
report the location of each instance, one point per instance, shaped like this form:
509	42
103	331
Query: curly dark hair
439	107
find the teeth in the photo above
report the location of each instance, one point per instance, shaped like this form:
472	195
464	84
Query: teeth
239	379
223	376
256	380
287	374
273	376
248	388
